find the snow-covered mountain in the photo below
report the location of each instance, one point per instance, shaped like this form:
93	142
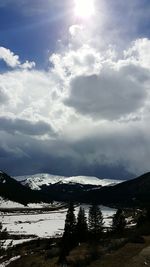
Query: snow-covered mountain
35	182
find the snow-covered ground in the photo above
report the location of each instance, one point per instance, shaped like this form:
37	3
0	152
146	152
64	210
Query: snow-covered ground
28	221
4	203
8	204
44	224
39	224
10	243
36	181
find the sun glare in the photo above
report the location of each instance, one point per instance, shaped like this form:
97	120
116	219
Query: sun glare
84	8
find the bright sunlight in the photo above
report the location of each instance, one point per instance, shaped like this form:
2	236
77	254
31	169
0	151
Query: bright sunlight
84	8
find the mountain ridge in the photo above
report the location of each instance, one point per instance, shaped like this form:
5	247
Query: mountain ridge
36	181
130	193
134	192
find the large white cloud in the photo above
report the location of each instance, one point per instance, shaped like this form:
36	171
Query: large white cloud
105	85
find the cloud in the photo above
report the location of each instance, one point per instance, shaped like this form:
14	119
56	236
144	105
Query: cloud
12	60
26	127
110	150
3	96
27	103
84	60
26	89
104	85
109	95
139	51
9	57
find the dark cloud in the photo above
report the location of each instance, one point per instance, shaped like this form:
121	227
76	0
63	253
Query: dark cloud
110	95
116	154
25	155
25	127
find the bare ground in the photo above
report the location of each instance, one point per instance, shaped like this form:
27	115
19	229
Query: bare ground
131	255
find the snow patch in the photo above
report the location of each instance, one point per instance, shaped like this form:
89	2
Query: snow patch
39	205
10	242
4	264
8	204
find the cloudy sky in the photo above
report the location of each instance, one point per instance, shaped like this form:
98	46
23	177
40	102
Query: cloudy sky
75	87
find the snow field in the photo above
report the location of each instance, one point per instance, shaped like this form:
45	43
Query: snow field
45	224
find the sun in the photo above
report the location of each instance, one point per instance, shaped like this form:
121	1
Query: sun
84	8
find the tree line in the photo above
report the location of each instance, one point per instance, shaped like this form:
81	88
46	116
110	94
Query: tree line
82	229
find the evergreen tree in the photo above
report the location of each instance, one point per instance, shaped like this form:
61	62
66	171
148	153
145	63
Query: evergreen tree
68	239
95	221
3	236
119	221
81	227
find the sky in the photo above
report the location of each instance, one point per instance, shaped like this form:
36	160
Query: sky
75	87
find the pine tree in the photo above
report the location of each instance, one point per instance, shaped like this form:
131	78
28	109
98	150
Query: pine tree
69	239
95	221
81	227
119	221
70	222
3	236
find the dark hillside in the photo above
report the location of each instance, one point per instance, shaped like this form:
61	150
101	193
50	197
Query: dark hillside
135	192
13	190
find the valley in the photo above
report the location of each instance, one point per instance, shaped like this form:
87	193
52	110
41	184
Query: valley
35	218
44	222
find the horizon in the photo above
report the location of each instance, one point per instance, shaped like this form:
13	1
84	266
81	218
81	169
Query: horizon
74	87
